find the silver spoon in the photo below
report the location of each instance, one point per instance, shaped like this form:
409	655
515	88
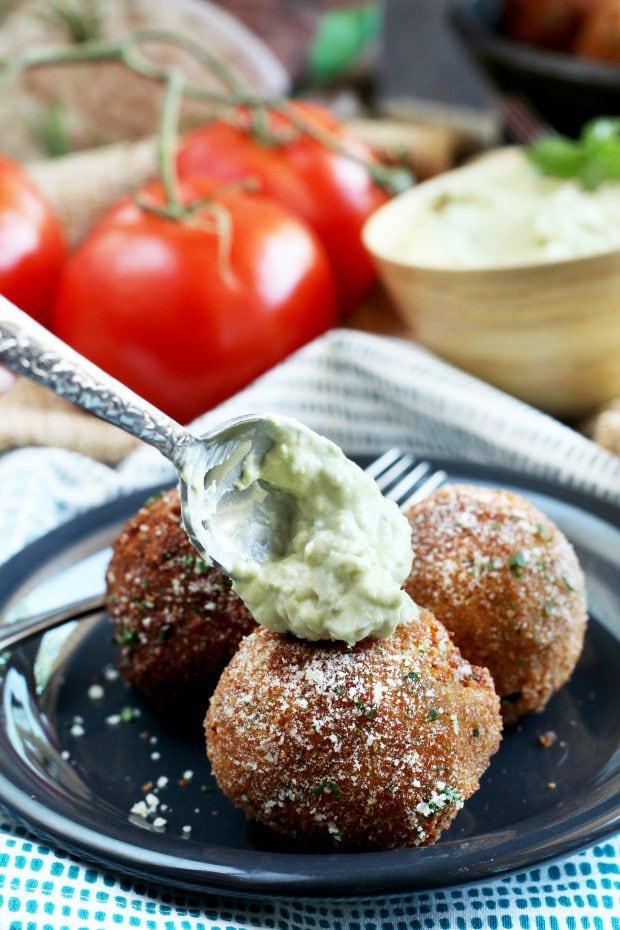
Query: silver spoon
250	523
400	476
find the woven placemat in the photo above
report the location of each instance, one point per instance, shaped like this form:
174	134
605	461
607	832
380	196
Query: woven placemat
32	416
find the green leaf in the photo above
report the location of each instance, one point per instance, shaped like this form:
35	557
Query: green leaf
341	38
592	160
559	157
601	130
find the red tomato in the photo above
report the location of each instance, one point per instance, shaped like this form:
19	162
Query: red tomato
186	315
333	193
32	243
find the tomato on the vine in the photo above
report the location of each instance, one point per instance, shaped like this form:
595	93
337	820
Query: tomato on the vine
334	193
32	243
186	312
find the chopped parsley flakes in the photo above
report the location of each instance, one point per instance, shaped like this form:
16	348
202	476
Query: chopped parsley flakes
369	710
328	786
153	498
543	533
516	563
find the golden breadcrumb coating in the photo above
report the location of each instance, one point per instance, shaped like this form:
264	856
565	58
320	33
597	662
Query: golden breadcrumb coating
177	621
507	585
370	747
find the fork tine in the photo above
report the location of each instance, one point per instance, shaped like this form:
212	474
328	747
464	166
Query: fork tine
397	471
410	480
427	487
383	462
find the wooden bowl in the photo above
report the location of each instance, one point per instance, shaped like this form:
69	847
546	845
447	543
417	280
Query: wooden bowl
548	333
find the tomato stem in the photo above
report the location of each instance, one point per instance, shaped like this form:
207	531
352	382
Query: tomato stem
394	181
261	129
128	50
167	141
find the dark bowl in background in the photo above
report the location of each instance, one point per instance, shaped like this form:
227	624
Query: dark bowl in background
565	90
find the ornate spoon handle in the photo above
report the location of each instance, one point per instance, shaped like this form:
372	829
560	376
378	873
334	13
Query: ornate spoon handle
30	350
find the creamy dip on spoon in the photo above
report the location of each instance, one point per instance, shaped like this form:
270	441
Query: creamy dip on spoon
337	572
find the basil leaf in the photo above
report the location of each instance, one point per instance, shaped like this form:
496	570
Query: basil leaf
341	38
559	157
592	160
601	130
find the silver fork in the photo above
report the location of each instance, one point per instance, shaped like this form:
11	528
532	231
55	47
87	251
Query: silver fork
399	475
403	478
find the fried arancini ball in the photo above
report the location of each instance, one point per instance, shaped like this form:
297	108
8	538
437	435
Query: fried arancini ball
547	23
176	620
374	746
600	37
507	585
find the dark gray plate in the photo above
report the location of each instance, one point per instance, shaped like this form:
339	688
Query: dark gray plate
82	802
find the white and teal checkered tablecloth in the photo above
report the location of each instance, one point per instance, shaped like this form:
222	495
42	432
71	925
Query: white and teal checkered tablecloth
41	889
366	393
